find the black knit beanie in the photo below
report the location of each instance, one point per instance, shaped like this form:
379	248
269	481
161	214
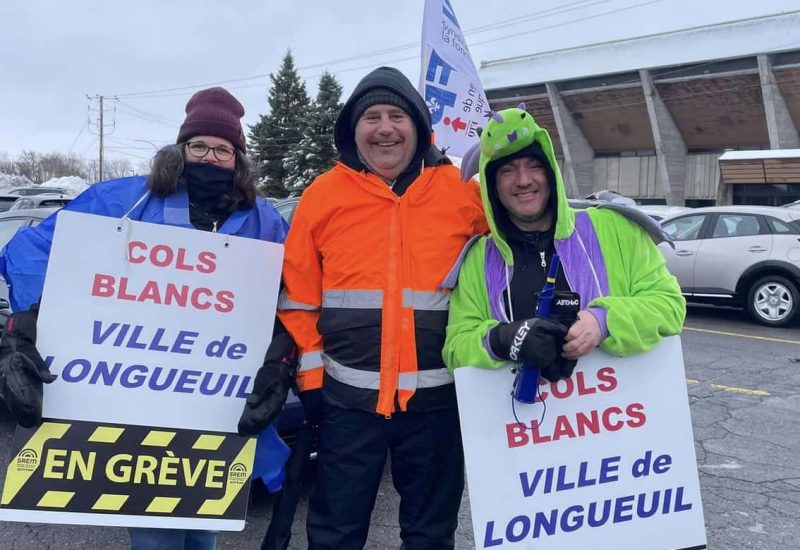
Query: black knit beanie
377	96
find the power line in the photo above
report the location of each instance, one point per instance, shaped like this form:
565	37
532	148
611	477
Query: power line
146	115
74	141
360	67
121	151
485	28
556	25
543	14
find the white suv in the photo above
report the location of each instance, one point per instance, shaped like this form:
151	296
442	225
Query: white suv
741	255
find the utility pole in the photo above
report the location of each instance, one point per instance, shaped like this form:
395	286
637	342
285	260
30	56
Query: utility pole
101	137
101	128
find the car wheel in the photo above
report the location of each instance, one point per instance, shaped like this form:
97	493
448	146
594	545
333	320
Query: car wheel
773	300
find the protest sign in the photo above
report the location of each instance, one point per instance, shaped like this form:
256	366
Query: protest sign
155	334
603	459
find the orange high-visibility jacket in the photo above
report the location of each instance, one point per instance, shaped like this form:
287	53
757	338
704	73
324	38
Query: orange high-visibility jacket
362	272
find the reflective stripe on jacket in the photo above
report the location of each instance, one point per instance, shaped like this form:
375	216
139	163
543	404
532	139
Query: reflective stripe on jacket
362	273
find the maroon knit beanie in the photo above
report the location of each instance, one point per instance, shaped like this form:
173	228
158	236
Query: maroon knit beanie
214	112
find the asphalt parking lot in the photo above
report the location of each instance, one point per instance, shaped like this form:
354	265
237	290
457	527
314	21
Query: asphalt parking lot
744	389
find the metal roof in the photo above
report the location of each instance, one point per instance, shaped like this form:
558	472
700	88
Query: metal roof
745	37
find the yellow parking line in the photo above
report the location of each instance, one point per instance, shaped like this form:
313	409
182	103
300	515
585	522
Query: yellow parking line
734	389
722	333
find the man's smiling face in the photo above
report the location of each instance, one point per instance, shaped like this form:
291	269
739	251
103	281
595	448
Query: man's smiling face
523	189
387	139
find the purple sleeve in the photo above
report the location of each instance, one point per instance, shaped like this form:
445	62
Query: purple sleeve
488	347
600	314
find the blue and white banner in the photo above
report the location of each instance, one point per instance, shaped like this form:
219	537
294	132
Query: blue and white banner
449	81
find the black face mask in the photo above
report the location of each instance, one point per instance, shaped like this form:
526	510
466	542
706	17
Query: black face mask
207	184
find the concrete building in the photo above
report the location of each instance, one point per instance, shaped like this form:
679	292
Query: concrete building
650	117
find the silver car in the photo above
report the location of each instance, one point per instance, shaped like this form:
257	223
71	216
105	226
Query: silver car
661	211
40	201
738	255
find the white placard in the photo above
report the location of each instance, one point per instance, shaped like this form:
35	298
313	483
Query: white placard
154	325
612	464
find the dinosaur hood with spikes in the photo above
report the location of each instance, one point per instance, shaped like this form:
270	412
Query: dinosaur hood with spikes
508	133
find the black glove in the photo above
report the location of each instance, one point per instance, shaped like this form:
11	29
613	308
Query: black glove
558	369
534	341
272	383
22	369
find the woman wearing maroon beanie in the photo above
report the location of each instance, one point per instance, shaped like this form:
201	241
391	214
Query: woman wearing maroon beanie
203	181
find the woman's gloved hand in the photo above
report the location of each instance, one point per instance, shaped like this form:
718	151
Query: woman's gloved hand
272	383
23	372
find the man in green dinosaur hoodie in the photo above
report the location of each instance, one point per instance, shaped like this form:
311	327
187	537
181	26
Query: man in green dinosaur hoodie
610	265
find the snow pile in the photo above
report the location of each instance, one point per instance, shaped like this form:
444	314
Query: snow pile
8	182
72	184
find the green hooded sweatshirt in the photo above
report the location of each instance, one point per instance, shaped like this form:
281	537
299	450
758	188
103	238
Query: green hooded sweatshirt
610	261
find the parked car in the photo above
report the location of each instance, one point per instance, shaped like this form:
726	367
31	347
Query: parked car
286	208
13	220
6	201
10	223
747	256
37	190
660	212
793	204
40	201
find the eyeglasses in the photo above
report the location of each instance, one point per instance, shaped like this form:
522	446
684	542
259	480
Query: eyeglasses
199	150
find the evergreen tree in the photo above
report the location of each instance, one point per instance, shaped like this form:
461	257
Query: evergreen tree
316	152
328	107
277	134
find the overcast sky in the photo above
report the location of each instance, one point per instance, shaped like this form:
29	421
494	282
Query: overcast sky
153	54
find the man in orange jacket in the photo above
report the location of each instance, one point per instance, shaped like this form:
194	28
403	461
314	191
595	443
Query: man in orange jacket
371	242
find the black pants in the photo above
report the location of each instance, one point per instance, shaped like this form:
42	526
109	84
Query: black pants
427	472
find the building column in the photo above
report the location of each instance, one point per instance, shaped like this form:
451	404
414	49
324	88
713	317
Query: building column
578	154
670	147
781	128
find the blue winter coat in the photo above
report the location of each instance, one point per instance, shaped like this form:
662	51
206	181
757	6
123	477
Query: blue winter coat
23	262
